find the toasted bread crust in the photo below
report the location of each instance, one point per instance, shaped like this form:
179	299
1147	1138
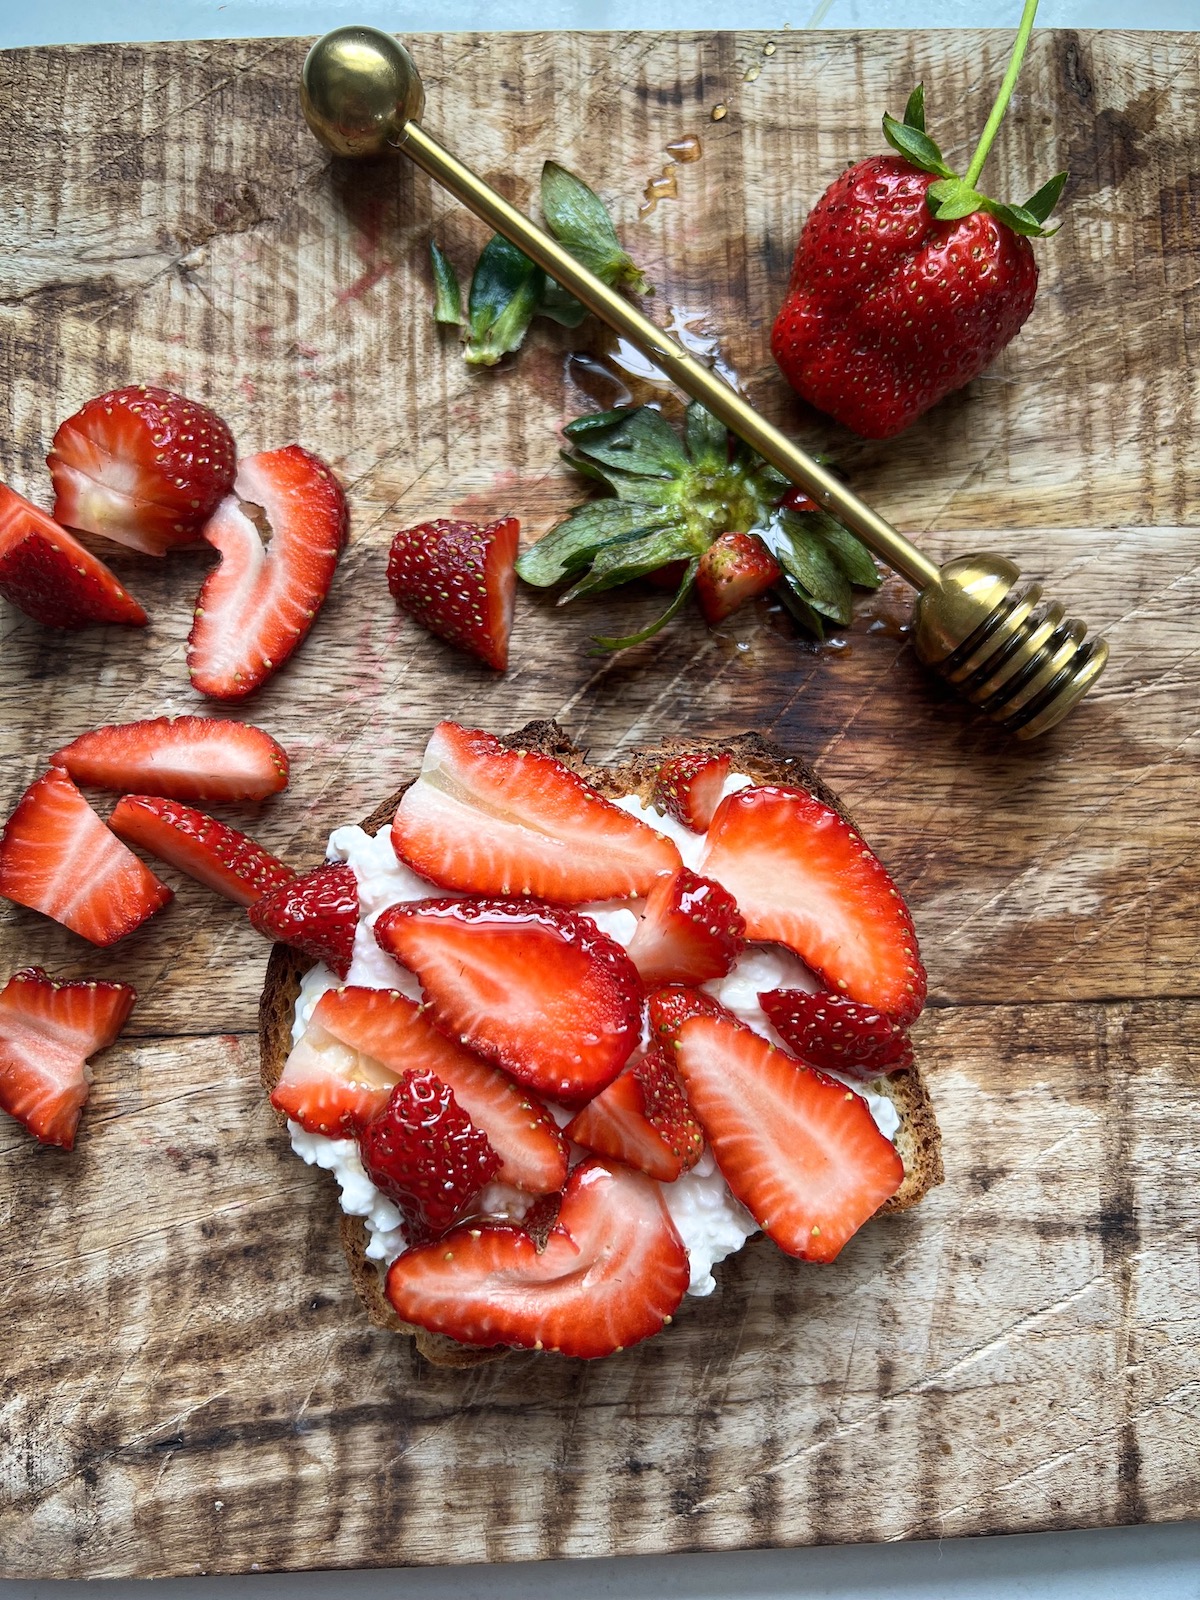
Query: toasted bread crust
918	1140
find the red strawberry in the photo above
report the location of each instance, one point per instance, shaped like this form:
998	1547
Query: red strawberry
209	851
459	581
489	820
259	602
143	466
181	758
735	568
691	931
800	1151
541	992
797	500
644	1120
612	1272
688	788
827	1030
331	1083
316	912
426	1155
47	572
670	1008
48	1029
57	857
803	877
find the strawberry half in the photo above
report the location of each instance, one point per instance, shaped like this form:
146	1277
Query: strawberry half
180	758
803	877
671	1007
827	1030
735	569
316	913
143	466
459	581
210	851
691	931
644	1120
258	604
612	1272
489	820
539	991
49	575
688	788
57	857
48	1029
800	1151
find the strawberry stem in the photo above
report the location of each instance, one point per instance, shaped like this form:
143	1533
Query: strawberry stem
1005	95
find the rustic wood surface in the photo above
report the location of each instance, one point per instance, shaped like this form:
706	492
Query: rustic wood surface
185	1385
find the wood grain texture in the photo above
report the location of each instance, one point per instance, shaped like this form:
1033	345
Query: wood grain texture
181	1349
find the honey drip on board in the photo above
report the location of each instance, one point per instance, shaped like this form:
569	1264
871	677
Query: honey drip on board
685	149
661	187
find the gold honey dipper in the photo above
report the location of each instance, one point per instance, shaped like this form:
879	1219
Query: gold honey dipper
1022	664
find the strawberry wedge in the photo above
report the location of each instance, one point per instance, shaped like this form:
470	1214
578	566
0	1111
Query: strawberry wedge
316	913
688	787
47	573
180	758
258	604
644	1120
489	820
214	854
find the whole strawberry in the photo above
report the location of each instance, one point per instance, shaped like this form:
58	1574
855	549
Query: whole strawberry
907	282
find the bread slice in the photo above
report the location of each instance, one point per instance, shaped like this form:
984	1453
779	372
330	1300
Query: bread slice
918	1139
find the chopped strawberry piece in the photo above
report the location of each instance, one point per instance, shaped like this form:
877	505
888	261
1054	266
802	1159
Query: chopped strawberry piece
644	1120
48	1029
209	851
539	991
800	1151
48	574
459	581
735	568
827	1030
691	931
143	466
330	1086
803	877
259	602
612	1272
180	758
489	820
57	857
670	1008
688	788
316	913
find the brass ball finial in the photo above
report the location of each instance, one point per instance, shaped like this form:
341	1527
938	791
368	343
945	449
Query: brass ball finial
358	88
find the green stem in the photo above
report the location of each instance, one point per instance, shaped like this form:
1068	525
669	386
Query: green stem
1005	95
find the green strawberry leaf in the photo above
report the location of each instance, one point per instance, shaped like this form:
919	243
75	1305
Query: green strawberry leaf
506	290
794	598
915	146
447	296
1041	204
914	111
1019	219
561	306
643	550
625	485
578	219
707	439
636	441
851	555
952	198
605	644
574	542
804	557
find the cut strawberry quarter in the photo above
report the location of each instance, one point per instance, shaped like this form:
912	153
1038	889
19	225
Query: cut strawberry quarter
644	1120
459	580
688	787
209	851
827	1030
48	574
180	758
691	931
316	913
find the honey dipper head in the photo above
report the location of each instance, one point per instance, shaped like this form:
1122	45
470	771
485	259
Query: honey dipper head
358	88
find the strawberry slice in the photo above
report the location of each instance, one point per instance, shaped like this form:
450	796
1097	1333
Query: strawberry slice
209	851
691	931
644	1120
539	991
736	568
48	574
48	1029
688	788
489	820
803	877
827	1030
259	602
143	466
612	1272
800	1151
57	857
180	758
459	581
670	1008
316	913
357	1044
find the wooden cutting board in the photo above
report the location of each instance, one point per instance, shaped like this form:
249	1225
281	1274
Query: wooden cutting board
186	1384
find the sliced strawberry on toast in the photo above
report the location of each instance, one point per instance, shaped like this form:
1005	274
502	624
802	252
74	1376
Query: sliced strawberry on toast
670	1008
803	877
48	1030
688	787
179	758
644	1120
489	820
538	990
691	931
258	604
799	1150
213	853
48	574
612	1272
143	466
316	912
827	1030
57	857
459	581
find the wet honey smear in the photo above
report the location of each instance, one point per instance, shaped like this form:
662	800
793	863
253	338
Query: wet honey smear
664	185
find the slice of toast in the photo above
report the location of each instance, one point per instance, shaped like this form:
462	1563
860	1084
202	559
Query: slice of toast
917	1140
